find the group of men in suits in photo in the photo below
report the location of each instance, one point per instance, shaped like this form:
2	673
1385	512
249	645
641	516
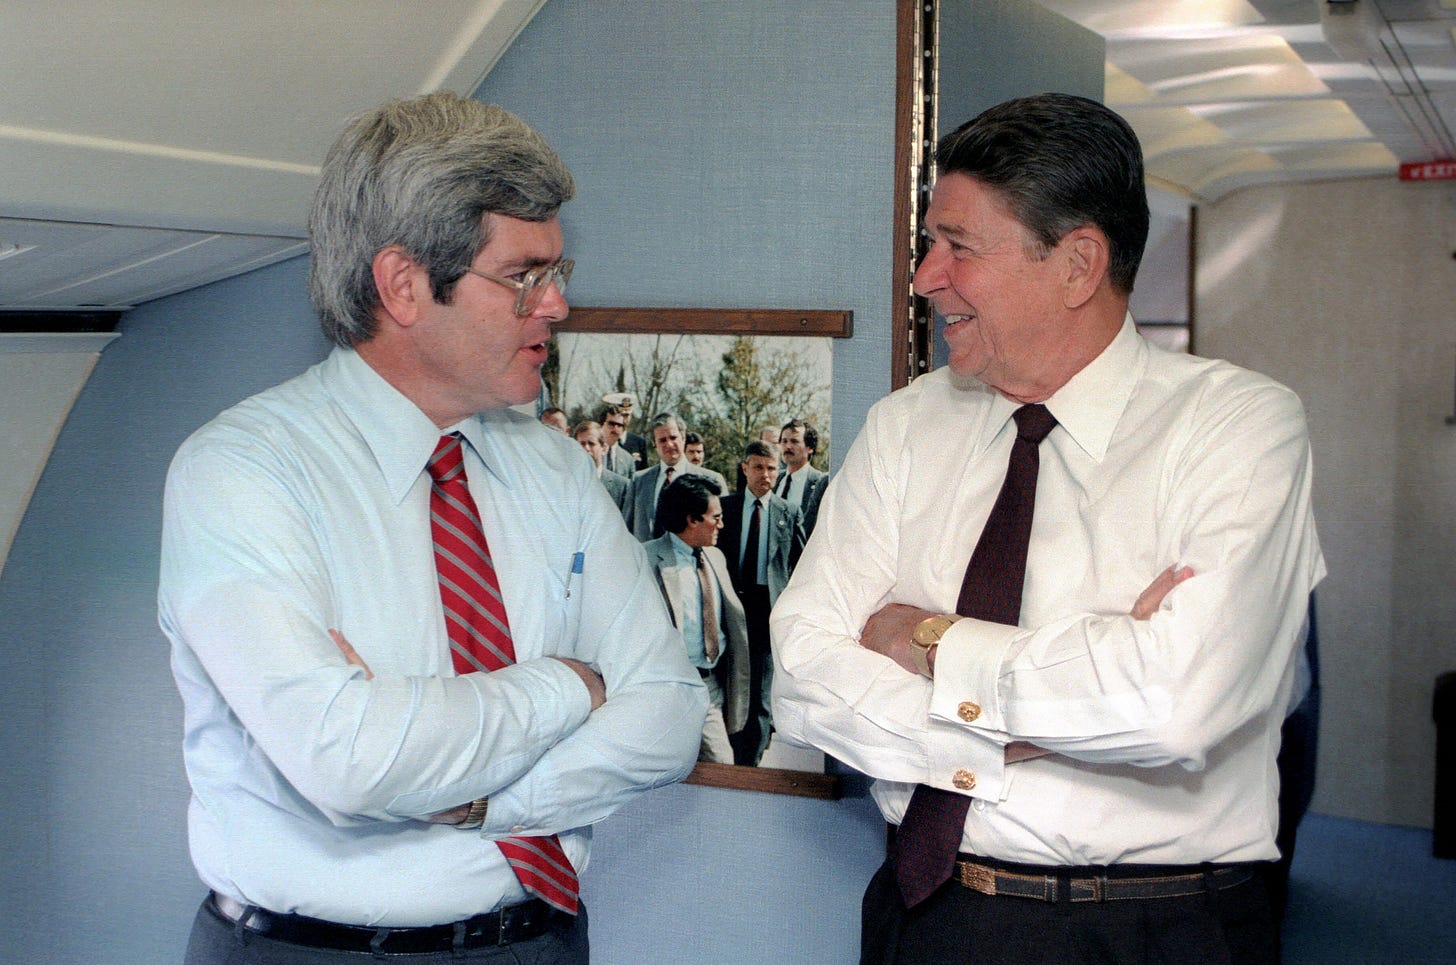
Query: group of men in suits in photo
721	559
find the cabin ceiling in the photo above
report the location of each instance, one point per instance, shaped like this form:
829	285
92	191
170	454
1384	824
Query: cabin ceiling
1225	94
150	146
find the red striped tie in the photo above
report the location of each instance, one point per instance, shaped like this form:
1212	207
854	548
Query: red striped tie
480	641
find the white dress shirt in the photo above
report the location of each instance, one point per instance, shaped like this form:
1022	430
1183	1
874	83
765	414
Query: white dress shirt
307	508
1165	730
791	489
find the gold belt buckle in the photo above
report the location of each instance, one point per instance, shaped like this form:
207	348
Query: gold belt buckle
978	877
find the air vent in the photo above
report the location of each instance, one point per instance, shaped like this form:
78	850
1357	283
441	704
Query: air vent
83	320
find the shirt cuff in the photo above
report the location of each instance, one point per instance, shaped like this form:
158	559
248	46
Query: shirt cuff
973	767
966	686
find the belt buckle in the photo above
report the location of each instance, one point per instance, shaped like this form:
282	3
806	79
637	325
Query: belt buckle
978	877
1096	885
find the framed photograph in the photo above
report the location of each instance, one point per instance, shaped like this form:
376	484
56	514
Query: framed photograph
732	376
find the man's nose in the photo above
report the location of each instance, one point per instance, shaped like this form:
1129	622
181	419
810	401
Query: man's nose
930	274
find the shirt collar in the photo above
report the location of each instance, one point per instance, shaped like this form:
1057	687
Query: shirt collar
1089	406
1092	402
679	549
399	435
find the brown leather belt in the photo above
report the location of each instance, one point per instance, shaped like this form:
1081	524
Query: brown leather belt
515	923
1051	887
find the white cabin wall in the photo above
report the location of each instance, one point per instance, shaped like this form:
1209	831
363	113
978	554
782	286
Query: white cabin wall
1346	292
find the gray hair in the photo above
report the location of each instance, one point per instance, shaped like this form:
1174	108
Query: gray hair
421	173
664	419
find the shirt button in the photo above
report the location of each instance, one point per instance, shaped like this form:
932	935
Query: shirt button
968	711
979	805
964	780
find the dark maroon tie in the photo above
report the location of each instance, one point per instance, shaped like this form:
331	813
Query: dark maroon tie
930	834
748	568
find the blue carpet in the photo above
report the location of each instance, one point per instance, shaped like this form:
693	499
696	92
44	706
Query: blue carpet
1368	893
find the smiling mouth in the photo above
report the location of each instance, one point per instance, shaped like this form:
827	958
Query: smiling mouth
952	320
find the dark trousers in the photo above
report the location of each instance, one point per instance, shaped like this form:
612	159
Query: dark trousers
218	941
750	742
959	926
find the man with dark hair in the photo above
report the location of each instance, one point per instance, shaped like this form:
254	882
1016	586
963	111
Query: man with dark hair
626	404
802	486
554	418
618	458
695	583
667	438
694	449
1054	596
762	539
418	653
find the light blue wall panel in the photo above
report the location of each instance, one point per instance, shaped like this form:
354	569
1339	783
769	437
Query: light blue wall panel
95	866
1033	51
732	155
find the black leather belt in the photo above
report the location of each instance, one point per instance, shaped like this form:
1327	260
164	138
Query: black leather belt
1050	886
522	922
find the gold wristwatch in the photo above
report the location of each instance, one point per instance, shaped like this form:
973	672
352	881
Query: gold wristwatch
475	817
926	637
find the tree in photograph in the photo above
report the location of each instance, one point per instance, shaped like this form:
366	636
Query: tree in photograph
756	385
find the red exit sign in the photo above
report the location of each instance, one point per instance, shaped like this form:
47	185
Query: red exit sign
1428	171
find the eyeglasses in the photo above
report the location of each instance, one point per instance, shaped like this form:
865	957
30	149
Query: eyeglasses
532	286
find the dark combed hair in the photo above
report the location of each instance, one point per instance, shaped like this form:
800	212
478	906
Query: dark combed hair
684	499
760	448
1060	162
811	435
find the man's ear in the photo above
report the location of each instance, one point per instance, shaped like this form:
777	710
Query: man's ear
403	285
1085	250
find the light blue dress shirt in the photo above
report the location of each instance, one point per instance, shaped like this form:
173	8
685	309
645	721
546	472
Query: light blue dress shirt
306	508
749	501
692	616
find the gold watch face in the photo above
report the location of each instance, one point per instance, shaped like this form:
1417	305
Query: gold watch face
929	631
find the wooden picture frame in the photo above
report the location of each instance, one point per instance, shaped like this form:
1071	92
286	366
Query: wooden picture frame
832	323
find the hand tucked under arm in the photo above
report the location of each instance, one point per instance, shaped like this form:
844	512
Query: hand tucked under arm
1147	603
595	686
1150	599
888	632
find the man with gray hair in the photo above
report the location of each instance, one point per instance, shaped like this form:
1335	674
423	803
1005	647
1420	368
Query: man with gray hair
669	438
419	654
